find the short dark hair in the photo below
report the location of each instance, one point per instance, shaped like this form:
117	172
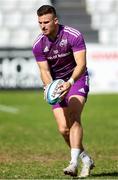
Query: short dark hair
46	9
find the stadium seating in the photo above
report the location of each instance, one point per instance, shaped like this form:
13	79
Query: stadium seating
105	19
20	38
73	13
1	19
7	5
12	19
26	5
4	37
97	19
18	22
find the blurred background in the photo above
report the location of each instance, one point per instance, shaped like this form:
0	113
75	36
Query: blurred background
30	145
96	19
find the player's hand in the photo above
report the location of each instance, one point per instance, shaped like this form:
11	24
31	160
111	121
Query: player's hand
64	88
44	93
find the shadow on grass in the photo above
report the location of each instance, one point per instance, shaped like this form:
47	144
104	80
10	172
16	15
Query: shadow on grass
113	174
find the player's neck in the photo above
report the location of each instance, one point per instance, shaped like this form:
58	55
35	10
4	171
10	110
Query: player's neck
54	34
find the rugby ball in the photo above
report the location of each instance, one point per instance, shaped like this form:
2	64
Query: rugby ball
52	91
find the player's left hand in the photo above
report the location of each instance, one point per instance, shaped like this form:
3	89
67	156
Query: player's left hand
64	88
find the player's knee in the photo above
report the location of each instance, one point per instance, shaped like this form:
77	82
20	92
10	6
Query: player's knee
64	131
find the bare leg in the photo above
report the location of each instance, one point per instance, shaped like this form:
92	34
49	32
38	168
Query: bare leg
69	122
76	104
62	119
69	125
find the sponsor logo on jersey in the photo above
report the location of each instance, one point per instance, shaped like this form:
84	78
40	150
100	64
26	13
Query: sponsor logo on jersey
58	56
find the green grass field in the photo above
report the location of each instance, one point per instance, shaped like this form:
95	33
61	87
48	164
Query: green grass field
32	148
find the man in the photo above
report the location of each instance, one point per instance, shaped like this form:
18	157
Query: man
61	53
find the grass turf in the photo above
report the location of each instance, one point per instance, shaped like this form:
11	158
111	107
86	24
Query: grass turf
32	148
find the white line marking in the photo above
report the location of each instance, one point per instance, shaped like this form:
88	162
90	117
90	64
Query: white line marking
8	109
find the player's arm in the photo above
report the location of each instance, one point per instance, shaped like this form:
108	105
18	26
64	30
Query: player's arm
80	58
45	72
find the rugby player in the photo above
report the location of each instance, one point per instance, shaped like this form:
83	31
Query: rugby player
60	52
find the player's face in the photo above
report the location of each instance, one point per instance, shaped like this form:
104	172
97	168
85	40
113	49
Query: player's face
48	24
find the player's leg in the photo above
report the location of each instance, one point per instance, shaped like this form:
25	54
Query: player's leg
76	104
62	119
63	122
76	100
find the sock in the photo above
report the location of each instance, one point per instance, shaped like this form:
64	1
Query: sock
84	157
75	152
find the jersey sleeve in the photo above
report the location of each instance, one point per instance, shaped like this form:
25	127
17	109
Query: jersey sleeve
38	52
78	43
